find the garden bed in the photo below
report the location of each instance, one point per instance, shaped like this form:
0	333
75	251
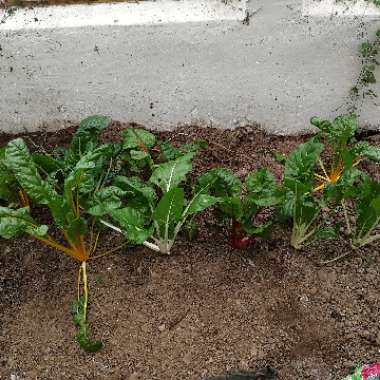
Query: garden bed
205	309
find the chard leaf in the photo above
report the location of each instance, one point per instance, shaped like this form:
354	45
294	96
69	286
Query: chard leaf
365	149
86	136
133	222
340	131
300	164
137	188
262	188
78	309
170	152
221	183
105	200
200	202
326	233
368	208
138	155
20	162
47	163
134	138
257	230
170	174
14	222
169	212
8	182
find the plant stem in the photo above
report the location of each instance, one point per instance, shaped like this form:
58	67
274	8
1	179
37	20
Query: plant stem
147	244
346	217
113	250
85	290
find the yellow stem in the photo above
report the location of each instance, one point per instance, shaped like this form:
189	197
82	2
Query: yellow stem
79	281
93	249
113	250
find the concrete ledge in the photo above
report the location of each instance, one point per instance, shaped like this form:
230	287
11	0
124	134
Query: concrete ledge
277	67
139	13
342	8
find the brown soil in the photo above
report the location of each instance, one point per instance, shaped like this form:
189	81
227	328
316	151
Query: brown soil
206	309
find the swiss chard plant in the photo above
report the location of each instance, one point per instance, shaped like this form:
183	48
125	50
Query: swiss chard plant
156	210
241	203
141	150
66	191
346	151
299	201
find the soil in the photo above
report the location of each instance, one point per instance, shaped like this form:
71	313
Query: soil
206	309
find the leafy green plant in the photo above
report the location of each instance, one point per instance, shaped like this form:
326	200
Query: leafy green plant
241	203
347	152
66	197
158	208
367	213
298	201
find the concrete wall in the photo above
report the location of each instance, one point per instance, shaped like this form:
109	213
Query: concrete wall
289	63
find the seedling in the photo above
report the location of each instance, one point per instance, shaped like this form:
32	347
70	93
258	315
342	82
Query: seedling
158	209
241	203
66	200
347	153
299	202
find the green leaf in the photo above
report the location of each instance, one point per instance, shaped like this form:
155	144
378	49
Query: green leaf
88	132
200	202
170	152
368	208
105	200
132	222
139	155
300	165
169	212
47	163
221	183
8	183
262	188
20	162
14	222
83	336
137	188
170	174
364	148
138	138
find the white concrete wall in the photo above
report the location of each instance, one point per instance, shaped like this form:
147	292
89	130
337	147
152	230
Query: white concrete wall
205	66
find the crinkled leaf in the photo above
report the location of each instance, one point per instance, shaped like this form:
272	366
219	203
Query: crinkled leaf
262	188
138	138
86	136
221	183
48	163
340	130
105	200
300	164
8	182
365	149
170	174
14	222
20	162
137	188
132	222
171	152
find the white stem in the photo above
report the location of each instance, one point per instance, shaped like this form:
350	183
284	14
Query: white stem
146	243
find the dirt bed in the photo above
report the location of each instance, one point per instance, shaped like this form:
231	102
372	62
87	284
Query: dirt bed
206	309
